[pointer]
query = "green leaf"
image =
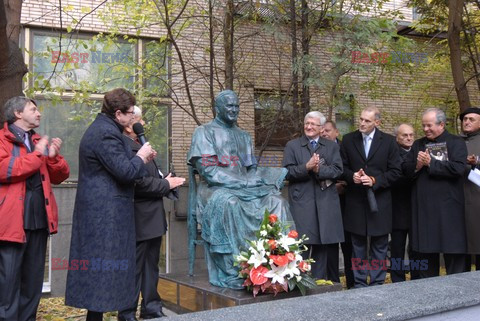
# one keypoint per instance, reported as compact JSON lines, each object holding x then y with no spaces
{"x":302,"y":288}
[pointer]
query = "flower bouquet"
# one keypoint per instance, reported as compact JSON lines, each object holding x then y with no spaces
{"x":273,"y":262}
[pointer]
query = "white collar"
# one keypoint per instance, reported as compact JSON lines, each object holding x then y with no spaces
{"x":369,"y":135}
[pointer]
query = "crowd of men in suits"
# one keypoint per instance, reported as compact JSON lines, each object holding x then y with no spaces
{"x":389,"y":189}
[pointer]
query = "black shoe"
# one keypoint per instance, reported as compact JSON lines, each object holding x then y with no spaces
{"x":153,"y":315}
{"x":126,"y":318}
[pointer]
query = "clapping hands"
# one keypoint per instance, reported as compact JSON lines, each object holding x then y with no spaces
{"x":53,"y":149}
{"x":423,"y":159}
{"x":314,"y":163}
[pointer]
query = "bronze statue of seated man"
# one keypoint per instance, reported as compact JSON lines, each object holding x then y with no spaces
{"x":232,"y":195}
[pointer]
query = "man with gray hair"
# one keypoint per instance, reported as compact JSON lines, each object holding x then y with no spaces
{"x":371,"y":164}
{"x":314,"y":164}
{"x":401,"y":208}
{"x":438,"y":218}
{"x":28,"y":212}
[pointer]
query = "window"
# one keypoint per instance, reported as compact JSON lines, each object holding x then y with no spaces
{"x":344,"y":114}
{"x":67,"y":121}
{"x":267,"y":109}
{"x":82,"y":63}
{"x":415,"y":14}
{"x":68,"y":85}
{"x":156,"y":130}
{"x":155,"y":68}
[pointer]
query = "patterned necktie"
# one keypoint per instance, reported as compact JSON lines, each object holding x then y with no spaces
{"x":314,"y":144}
{"x":366,"y":144}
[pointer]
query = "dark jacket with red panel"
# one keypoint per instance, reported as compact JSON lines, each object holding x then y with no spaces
{"x":16,"y":165}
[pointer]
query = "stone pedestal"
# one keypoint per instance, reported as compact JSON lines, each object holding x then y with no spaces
{"x":183,"y":294}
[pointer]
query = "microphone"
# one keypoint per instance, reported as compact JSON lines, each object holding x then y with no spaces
{"x":140,"y":132}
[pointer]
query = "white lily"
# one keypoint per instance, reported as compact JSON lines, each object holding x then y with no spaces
{"x":277,"y":274}
{"x":298,"y":258}
{"x":292,"y":269}
{"x":257,"y":258}
{"x":285,"y":242}
{"x":241,"y":258}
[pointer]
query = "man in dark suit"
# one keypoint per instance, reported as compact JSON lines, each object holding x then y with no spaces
{"x":401,"y":207}
{"x":330,"y":131}
{"x":314,"y":164}
{"x":470,"y":119}
{"x":438,"y":217}
{"x":371,"y":164}
{"x":150,"y":226}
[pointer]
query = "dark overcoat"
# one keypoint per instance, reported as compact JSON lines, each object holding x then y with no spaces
{"x":150,"y":221}
{"x":383,"y":163}
{"x":103,"y":230}
{"x":472,"y":199}
{"x":438,"y":219}
{"x":315,"y":209}
{"x":401,"y":199}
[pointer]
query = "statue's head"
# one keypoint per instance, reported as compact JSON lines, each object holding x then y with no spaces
{"x":227,"y":106}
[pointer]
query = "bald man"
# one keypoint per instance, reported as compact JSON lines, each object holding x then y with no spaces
{"x":401,"y":206}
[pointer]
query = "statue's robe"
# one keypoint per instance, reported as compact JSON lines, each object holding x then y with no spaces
{"x":232,"y":196}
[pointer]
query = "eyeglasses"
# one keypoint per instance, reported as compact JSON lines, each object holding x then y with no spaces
{"x":311,"y":124}
{"x":129,"y":112}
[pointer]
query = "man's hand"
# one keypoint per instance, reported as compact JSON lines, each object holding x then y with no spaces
{"x":146,"y":153}
{"x":174,"y":181}
{"x":472,"y":159}
{"x":357,"y":176}
{"x":313,"y":162}
{"x":366,"y":180}
{"x":423,"y":159}
{"x":54,"y":148}
{"x":340,"y":185}
{"x":41,"y":145}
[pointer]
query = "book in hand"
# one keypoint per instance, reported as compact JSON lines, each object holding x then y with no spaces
{"x":438,"y":150}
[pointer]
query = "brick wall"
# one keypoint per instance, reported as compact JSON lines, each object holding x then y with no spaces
{"x":262,"y":63}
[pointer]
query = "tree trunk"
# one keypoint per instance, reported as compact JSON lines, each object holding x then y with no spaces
{"x":12,"y":67}
{"x":305,"y":53}
{"x":293,"y":35}
{"x":228,"y":44}
{"x":455,"y":8}
{"x":211,"y":57}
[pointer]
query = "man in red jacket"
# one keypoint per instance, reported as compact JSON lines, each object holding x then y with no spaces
{"x":28,"y":211}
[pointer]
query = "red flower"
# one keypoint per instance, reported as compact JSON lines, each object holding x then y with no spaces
{"x":304,"y":266}
{"x":279,"y":260}
{"x":257,"y":275}
{"x":273,"y":244}
{"x":272,"y":218}
{"x":293,"y":234}
{"x":290,"y":256}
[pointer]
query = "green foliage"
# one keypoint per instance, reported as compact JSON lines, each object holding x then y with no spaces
{"x":433,"y":20}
